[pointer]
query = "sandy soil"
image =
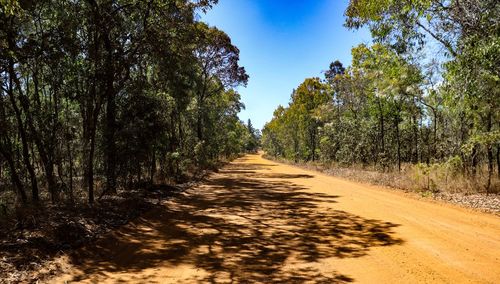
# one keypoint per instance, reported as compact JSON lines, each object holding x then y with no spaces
{"x":258,"y":221}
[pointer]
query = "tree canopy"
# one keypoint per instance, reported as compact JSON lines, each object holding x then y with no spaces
{"x":391,"y":106}
{"x":100,"y":94}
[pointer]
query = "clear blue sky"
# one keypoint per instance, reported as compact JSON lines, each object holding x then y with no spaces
{"x":281,"y":43}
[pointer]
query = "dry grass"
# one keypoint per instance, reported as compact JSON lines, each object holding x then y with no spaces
{"x":443,"y":178}
{"x":437,"y":181}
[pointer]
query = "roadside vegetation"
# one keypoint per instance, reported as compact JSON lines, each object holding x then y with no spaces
{"x":97,"y":96}
{"x":102,"y":103}
{"x":421,"y":105}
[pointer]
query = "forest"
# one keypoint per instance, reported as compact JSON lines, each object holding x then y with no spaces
{"x":124,"y":157}
{"x":423,"y":100}
{"x":97,"y":96}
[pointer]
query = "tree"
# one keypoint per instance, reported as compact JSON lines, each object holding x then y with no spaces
{"x":336,"y":69}
{"x":299,"y":122}
{"x":398,"y":104}
{"x":218,"y":67}
{"x":253,"y":137}
{"x":111,"y":92}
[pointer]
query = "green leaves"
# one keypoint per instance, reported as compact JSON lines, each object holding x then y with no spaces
{"x":113,"y":90}
{"x":293,"y":132}
{"x":484,"y":139}
{"x":9,"y":7}
{"x":391,"y":106}
{"x":403,"y":25}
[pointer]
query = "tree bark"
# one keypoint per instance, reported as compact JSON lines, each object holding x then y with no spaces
{"x":498,"y":160}
{"x":16,"y":181}
{"x":490,"y":154}
{"x":110,"y":122}
{"x":22,"y":132}
{"x":6,"y":152}
{"x":382,"y":130}
{"x":398,"y":140}
{"x":153,"y":167}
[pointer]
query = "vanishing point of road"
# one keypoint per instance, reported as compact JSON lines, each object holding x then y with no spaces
{"x":258,"y":221}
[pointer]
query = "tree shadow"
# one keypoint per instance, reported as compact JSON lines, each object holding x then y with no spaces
{"x":239,"y":228}
{"x":264,"y":175}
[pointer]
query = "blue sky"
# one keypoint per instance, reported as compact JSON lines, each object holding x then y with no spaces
{"x":281,"y":43}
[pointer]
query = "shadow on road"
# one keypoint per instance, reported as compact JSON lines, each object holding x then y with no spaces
{"x":240,"y":227}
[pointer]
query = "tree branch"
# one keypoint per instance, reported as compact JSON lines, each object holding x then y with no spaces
{"x":446,"y":44}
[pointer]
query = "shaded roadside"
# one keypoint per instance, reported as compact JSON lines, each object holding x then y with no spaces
{"x":31,"y":240}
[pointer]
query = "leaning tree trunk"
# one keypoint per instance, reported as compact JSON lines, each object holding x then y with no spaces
{"x":16,"y":181}
{"x":25,"y":146}
{"x":22,"y":131}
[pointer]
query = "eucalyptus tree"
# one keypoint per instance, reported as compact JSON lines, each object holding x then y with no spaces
{"x":106,"y":91}
{"x":293,"y":132}
{"x":393,"y":106}
{"x":468,"y":31}
{"x":218,"y":67}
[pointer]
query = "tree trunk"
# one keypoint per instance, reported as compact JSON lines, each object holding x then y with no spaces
{"x":16,"y":181}
{"x":153,"y":168}
{"x":70,"y":160}
{"x":94,"y":99}
{"x":45,"y":149}
{"x":474,"y":161}
{"x":382,"y":131}
{"x":110,"y":95}
{"x":498,"y":160}
{"x":110,"y":145}
{"x":199,"y":125}
{"x":435,"y":132}
{"x":313,"y":143}
{"x":90,"y":167}
{"x":23,"y":135}
{"x":398,"y":140}
{"x":490,"y":168}
{"x":415,"y":137}
{"x":22,"y":131}
{"x":490,"y":154}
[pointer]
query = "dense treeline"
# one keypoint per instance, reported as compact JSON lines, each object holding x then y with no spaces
{"x":101,"y":94}
{"x":401,"y":102}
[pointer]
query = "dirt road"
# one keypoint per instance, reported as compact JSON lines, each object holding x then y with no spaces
{"x":258,"y":221}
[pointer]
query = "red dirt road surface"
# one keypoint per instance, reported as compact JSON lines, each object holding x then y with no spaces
{"x":258,"y":221}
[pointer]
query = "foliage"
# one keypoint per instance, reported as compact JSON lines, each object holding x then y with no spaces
{"x":100,"y":94}
{"x":390,"y":109}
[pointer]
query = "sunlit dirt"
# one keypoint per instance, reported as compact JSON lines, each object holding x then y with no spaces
{"x":258,"y":221}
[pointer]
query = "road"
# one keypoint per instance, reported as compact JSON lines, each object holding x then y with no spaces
{"x":258,"y":221}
